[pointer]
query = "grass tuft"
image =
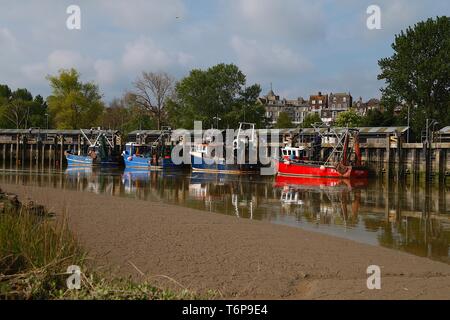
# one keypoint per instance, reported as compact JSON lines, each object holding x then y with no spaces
{"x":35,"y":252}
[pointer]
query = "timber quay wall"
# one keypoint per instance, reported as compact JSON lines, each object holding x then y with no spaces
{"x":46,"y":147}
{"x":384,"y":150}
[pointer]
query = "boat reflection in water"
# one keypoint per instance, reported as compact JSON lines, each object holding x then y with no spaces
{"x":83,"y":178}
{"x":215,"y":189}
{"x":321,"y":200}
{"x":134,"y":179}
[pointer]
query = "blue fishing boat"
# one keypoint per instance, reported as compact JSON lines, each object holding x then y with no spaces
{"x":205,"y":159}
{"x":202,"y":161}
{"x":141,"y":157}
{"x":76,"y":160}
{"x":151,"y":157}
{"x":99,"y":153}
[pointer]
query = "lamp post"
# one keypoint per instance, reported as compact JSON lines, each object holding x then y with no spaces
{"x":407,"y":132}
{"x":217,"y":121}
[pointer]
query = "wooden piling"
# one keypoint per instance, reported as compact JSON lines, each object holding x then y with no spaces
{"x":61,"y":151}
{"x":43,"y":155}
{"x":31,"y":155}
{"x":387,"y":157}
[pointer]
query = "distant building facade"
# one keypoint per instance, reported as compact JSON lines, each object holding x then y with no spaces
{"x":297,"y":109}
{"x":337,"y":103}
{"x":362,"y":108}
{"x":317,"y":103}
{"x":327,"y":106}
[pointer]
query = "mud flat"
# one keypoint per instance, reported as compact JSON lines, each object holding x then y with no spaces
{"x":178,"y":247}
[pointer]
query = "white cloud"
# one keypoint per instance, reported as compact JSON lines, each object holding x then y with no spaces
{"x":295,"y":19}
{"x":7,"y":40}
{"x":184,"y":59}
{"x":57,"y":60}
{"x":35,"y":72}
{"x":260,"y":59}
{"x":105,"y":71}
{"x":65,"y":59}
{"x":143,"y":53}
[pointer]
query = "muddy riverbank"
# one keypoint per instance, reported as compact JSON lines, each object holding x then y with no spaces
{"x":180,"y":247}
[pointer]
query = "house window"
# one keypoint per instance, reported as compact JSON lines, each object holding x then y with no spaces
{"x":344,"y":99}
{"x":320,"y":101}
{"x":333,"y":105}
{"x":313,"y":101}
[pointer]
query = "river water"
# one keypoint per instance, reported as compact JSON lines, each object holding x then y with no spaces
{"x":408,"y":216}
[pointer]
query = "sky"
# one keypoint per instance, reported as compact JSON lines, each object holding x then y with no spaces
{"x":299,"y":47}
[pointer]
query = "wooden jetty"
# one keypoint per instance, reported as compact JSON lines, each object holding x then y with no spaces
{"x":43,"y":147}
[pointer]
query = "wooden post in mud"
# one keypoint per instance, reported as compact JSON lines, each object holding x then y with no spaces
{"x":17,"y":150}
{"x":31,"y":155}
{"x":441,"y":160}
{"x":61,"y":151}
{"x":4,"y":153}
{"x":11,"y":152}
{"x":78,"y":145}
{"x":50,"y":151}
{"x":43,"y":155}
{"x":399,"y":156}
{"x":414,"y":162}
{"x":37,"y":153}
{"x":387,"y":157}
{"x":378,"y":161}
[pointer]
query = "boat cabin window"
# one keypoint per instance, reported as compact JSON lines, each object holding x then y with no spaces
{"x":292,"y":153}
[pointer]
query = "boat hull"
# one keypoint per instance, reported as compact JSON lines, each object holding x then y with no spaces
{"x":74,"y":160}
{"x":200,"y":164}
{"x":137,"y":162}
{"x":86,"y":161}
{"x":293,"y":169}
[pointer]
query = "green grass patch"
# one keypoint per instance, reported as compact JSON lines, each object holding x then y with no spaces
{"x":35,"y":252}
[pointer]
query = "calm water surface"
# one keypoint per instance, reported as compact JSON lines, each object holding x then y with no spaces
{"x":409,"y":216}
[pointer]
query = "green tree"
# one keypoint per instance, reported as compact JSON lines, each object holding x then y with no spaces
{"x":284,"y":121}
{"x":74,"y":104}
{"x":348,"y":118}
{"x":19,"y":110}
{"x":5,"y":91}
{"x":218,"y":92}
{"x":310,"y":119}
{"x":125,"y":117}
{"x":417,"y":74}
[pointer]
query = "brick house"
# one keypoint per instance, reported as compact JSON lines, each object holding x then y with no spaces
{"x":317,"y":103}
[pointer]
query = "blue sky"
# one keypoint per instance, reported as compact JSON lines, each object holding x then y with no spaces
{"x":299,"y":46}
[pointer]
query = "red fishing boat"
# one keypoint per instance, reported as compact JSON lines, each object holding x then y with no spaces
{"x":344,"y":161}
